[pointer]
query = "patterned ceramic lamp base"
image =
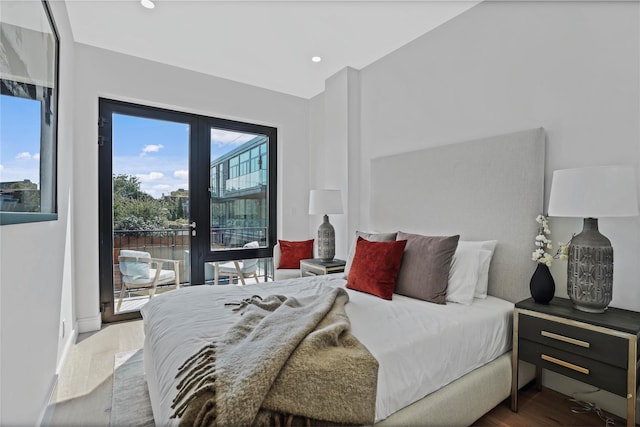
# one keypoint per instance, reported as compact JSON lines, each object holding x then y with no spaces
{"x":590,"y":269}
{"x":326,"y":240}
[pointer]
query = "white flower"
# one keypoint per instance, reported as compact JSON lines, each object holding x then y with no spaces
{"x":542,"y":243}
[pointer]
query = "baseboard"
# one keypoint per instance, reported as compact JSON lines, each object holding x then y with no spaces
{"x":46,"y":414}
{"x":89,"y":324}
{"x":73,"y":337}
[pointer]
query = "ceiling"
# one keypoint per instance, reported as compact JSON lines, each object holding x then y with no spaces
{"x":262,"y":43}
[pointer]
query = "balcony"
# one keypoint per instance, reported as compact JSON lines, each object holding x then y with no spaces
{"x":175,"y":244}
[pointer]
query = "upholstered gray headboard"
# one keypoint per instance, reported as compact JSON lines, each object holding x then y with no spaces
{"x":485,"y":189}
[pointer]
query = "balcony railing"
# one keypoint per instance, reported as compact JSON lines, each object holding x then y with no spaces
{"x":173,"y":244}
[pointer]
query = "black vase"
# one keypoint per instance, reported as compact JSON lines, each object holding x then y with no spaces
{"x":542,"y":286}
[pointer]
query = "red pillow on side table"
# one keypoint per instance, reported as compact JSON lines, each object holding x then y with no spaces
{"x":375,"y":267}
{"x":293,"y":252}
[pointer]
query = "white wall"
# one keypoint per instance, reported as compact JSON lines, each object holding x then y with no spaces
{"x":102,"y":73}
{"x":570,"y":67}
{"x":334,"y":151}
{"x":34,"y":274}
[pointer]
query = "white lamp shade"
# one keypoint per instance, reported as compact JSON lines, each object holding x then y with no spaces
{"x":323,"y":202}
{"x":594,"y":192}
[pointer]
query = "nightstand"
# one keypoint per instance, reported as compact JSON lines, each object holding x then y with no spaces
{"x":600,"y":349}
{"x":317,"y":267}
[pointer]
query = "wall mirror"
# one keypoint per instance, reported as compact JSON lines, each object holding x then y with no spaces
{"x":29,"y":45}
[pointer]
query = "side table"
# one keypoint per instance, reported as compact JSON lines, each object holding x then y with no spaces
{"x":600,"y":349}
{"x":317,"y":267}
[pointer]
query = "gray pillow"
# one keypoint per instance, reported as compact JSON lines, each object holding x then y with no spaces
{"x":372,"y":237}
{"x":424,"y":273}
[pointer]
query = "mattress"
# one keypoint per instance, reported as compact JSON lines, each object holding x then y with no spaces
{"x":420,"y":346}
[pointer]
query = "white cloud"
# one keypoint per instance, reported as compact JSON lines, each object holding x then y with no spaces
{"x":151,"y":148}
{"x":224,"y":137}
{"x":1,"y":168}
{"x":182,"y":174}
{"x":158,"y":190}
{"x":25,"y":155}
{"x":151,"y":176}
{"x":36,"y":156}
{"x":162,"y":187}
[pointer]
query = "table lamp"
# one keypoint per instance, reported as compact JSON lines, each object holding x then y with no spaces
{"x":325,"y":202}
{"x":592,"y":193}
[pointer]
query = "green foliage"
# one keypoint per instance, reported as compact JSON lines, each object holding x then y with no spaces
{"x":23,"y":185}
{"x":179,"y":209}
{"x":134,"y":209}
{"x":128,"y":186}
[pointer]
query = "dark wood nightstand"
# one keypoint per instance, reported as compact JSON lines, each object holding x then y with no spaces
{"x":600,"y":349}
{"x":317,"y":267}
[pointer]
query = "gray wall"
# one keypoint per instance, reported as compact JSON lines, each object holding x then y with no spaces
{"x":569,"y":67}
{"x":572,"y":68}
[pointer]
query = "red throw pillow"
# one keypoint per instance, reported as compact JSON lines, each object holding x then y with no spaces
{"x":293,"y":252}
{"x":375,"y":267}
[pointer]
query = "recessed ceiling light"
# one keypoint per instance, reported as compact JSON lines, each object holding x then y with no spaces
{"x":147,"y":3}
{"x":316,"y":59}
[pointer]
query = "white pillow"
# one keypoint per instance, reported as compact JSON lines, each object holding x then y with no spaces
{"x":483,"y":275}
{"x":485,"y":260}
{"x":135,"y":270}
{"x":463,"y":275}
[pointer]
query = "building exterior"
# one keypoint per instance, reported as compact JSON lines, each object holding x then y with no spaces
{"x":19,"y":196}
{"x":238,"y":192}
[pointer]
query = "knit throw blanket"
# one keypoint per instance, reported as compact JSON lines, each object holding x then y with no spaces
{"x":285,"y":357}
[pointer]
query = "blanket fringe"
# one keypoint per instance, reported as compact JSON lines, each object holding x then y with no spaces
{"x":199,"y":378}
{"x":244,"y":303}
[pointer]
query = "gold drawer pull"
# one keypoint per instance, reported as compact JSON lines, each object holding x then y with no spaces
{"x":565,"y":339}
{"x":565,"y":364}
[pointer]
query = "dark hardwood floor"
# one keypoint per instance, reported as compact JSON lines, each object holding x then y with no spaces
{"x":541,"y":408}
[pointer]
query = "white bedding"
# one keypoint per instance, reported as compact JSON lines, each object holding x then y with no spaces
{"x":420,"y":346}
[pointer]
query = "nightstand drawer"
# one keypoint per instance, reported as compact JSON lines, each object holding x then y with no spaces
{"x":607,"y":377}
{"x":605,"y":348}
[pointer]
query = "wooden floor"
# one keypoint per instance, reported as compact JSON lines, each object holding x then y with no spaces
{"x":542,"y":408}
{"x":83,"y":393}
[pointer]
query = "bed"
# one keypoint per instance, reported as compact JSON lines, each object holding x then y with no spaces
{"x":448,"y":356}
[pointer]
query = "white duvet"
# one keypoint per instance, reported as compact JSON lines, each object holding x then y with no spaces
{"x":420,"y":346}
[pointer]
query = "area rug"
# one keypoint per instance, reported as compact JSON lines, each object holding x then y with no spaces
{"x":130,"y":404}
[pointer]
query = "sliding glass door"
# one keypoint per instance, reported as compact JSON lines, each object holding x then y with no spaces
{"x":184,"y":200}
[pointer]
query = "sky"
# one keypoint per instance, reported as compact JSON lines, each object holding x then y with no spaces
{"x":155,"y":151}
{"x":19,"y":139}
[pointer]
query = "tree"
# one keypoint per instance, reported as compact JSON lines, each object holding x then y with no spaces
{"x":134,"y":209}
{"x":128,"y":186}
{"x":179,"y":210}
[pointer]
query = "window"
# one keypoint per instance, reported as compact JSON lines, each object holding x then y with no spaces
{"x":28,"y":113}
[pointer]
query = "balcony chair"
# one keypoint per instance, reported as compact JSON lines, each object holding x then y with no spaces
{"x":241,"y":269}
{"x":135,"y":267}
